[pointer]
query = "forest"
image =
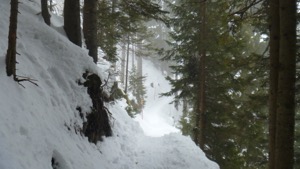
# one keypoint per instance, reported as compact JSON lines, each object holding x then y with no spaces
{"x":232,"y":66}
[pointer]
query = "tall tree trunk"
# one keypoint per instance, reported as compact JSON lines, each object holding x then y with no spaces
{"x":127,"y":62}
{"x":133,"y":54}
{"x":90,"y":27}
{"x":201,"y":95}
{"x":72,"y":21}
{"x":139,"y":66}
{"x":286,"y":86}
{"x":45,"y":11}
{"x":12,"y":40}
{"x":139,"y":69}
{"x":274,"y":65}
{"x":123,"y":63}
{"x":113,"y":29}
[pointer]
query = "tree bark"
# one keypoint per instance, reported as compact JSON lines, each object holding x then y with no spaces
{"x":139,"y":65}
{"x":274,"y":64}
{"x":90,"y":27}
{"x":202,"y":77}
{"x":45,"y":12}
{"x":132,"y":54}
{"x":127,"y":63}
{"x":72,"y":21}
{"x":286,"y":86}
{"x":12,"y":40}
{"x":123,"y":63}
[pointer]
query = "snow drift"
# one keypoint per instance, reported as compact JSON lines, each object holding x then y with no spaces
{"x":40,"y":125}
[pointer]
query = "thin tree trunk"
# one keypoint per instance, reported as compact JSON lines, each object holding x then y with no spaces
{"x":72,"y":21}
{"x":90,"y":27}
{"x":133,"y":53}
{"x":286,"y":86}
{"x":127,"y":62}
{"x":140,"y":100}
{"x":201,"y":104}
{"x":123,"y":63}
{"x":12,"y":40}
{"x":274,"y":62}
{"x":139,"y":66}
{"x":113,"y":11}
{"x":45,"y":12}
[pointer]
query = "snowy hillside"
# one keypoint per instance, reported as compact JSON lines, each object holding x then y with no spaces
{"x":38,"y":122}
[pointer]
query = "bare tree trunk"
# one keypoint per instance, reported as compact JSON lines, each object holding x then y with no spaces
{"x":123,"y":63}
{"x":133,"y":54}
{"x":45,"y":12}
{"x":201,"y":105}
{"x":286,"y":86}
{"x":72,"y":21}
{"x":139,"y":66}
{"x":90,"y":27}
{"x":274,"y":62}
{"x":127,"y":62}
{"x":113,"y":11}
{"x":12,"y":40}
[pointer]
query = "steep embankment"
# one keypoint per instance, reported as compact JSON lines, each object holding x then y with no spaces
{"x":40,"y":125}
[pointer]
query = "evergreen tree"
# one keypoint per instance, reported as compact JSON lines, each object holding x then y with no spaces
{"x":230,"y":68}
{"x":119,"y":19}
{"x":136,"y":86}
{"x":107,"y":35}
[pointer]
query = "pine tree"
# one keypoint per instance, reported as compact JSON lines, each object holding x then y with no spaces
{"x":107,"y":32}
{"x":137,"y":88}
{"x":232,"y":77}
{"x":119,"y":19}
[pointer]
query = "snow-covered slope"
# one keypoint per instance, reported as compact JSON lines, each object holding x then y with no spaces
{"x":37,"y":123}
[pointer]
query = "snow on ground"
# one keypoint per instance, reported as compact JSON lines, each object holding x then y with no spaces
{"x":34,"y":120}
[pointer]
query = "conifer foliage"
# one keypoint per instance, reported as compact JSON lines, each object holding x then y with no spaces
{"x":123,"y":18}
{"x":137,"y":88}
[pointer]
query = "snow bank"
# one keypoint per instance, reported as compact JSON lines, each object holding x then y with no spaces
{"x":37,"y":123}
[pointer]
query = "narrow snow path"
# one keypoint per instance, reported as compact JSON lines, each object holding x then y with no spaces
{"x":159,"y":116}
